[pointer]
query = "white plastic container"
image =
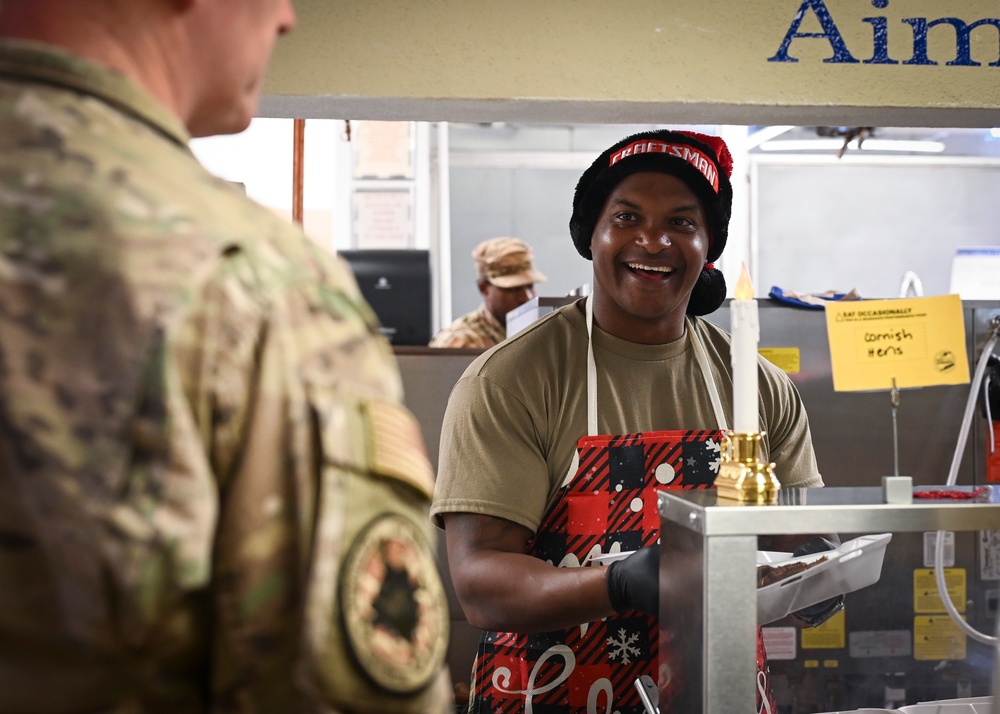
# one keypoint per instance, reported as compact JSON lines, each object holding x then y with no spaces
{"x":854,"y":565}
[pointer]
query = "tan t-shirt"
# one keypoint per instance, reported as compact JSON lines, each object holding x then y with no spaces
{"x":514,"y":418}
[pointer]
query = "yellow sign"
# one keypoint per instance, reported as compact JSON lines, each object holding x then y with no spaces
{"x":787,"y":358}
{"x":937,"y":637}
{"x":925,"y":591}
{"x":828,"y":636}
{"x":918,"y":342}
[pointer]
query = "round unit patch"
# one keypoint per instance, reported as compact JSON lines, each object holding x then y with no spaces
{"x":395,"y":611}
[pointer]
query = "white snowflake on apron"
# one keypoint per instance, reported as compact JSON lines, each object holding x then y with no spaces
{"x":622,"y":646}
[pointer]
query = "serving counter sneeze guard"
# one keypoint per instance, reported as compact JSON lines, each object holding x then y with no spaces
{"x":708,"y":604}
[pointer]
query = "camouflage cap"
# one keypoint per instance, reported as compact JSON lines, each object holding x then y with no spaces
{"x":506,"y":263}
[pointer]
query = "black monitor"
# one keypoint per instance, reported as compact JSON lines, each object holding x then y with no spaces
{"x":397,"y":285}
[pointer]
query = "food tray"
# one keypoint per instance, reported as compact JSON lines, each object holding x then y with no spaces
{"x":854,"y":565}
{"x":975,"y":705}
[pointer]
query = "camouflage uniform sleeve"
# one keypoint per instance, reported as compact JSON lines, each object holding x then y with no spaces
{"x":459,"y":337}
{"x":326,"y":595}
{"x":471,"y":331}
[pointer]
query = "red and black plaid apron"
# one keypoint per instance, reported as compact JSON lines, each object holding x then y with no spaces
{"x":608,"y":506}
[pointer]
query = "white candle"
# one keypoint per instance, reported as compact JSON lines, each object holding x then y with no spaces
{"x":745,"y":335}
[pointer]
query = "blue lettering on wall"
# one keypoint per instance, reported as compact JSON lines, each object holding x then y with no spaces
{"x":880,"y":41}
{"x":920,"y":27}
{"x":830,"y":33}
{"x":963,"y":50}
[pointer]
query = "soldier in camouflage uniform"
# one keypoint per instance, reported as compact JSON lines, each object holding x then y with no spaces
{"x":506,"y":279}
{"x":212,"y":498}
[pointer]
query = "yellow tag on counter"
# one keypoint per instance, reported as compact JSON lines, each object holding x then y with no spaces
{"x":919,"y":342}
{"x":787,"y":358}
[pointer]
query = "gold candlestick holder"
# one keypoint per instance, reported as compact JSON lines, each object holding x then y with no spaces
{"x":743,"y":477}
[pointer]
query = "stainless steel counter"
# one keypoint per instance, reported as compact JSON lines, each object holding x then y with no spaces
{"x":708,"y":574}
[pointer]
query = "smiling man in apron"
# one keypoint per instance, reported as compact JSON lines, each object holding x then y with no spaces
{"x":555,"y":442}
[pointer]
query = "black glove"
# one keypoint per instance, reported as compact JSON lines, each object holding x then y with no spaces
{"x":634,"y":582}
{"x":822,"y":611}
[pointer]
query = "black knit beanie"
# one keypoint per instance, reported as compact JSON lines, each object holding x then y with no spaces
{"x":702,"y":162}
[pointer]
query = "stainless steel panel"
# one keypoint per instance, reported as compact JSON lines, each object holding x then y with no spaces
{"x":712,"y":657}
{"x":843,"y":510}
{"x":716,"y":543}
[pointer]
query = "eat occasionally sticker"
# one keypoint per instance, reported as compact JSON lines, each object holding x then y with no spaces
{"x":878,"y":344}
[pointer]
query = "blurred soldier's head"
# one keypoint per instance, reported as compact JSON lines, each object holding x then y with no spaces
{"x":203,"y":59}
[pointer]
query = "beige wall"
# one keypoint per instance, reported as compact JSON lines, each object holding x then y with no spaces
{"x":671,"y":61}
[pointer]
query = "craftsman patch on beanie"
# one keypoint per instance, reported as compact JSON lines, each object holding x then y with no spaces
{"x":688,"y":153}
